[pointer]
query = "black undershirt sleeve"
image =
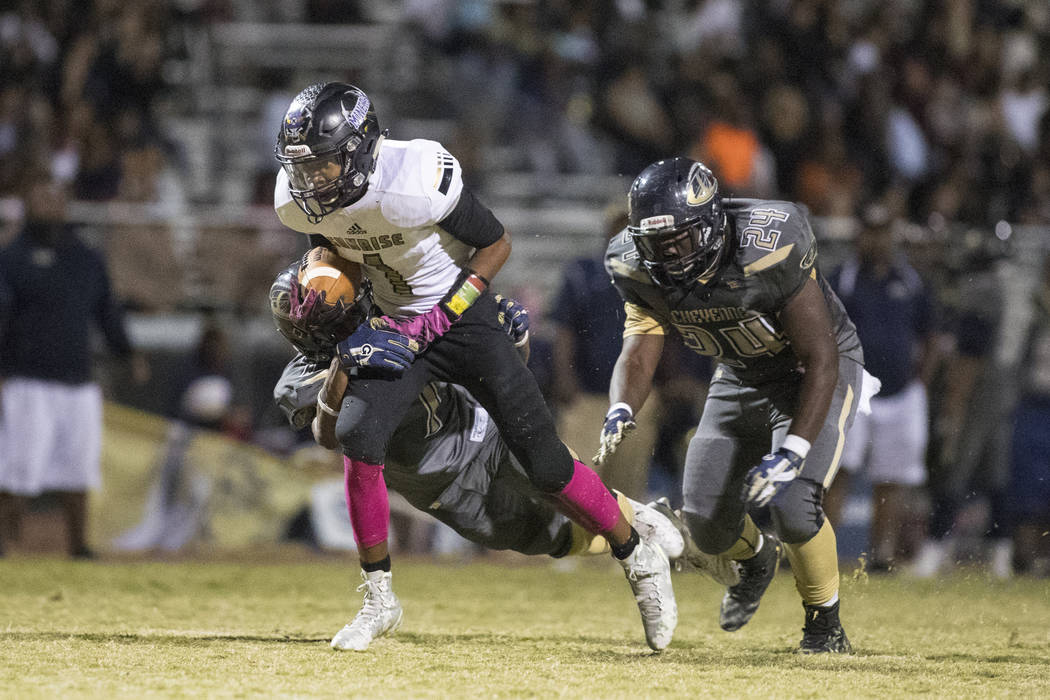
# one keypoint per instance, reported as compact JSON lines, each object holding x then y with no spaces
{"x":317,"y":239}
{"x":472,"y":222}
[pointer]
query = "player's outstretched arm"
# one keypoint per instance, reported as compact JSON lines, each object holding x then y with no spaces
{"x":631,"y":382}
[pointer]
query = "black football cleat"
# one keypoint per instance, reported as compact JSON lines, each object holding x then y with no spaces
{"x":823,"y":633}
{"x":741,"y":601}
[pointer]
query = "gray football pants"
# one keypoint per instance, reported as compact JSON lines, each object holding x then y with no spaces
{"x":740,"y":424}
{"x":490,"y":503}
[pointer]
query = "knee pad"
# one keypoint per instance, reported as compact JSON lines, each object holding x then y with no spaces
{"x":711,"y":536}
{"x":549,"y":468}
{"x":796,"y":511}
{"x":361,"y":439}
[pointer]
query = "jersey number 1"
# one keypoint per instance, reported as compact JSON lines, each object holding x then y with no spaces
{"x":399,"y":283}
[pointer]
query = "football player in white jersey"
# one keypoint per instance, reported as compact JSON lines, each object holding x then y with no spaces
{"x":429,"y":248}
{"x":448,"y":460}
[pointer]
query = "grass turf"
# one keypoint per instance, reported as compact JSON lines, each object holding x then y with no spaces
{"x":485,"y":629}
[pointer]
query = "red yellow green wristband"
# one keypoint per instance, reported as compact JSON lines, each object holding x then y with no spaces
{"x":468,"y":288}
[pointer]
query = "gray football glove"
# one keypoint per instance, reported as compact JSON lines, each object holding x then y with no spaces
{"x":618,"y":422}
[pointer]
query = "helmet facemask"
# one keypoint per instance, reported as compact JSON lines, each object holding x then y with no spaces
{"x":320,"y":184}
{"x":327,"y":146}
{"x":316,"y":341}
{"x":678,"y":223}
{"x":679,"y":256}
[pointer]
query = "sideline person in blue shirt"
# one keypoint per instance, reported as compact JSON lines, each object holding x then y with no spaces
{"x":56,"y":289}
{"x":893,"y":311}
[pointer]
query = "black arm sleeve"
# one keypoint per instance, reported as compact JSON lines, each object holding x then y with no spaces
{"x":472,"y":222}
{"x":317,"y":239}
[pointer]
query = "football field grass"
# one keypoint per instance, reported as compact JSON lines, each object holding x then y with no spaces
{"x":260,"y":628}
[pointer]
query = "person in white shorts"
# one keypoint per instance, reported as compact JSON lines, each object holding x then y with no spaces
{"x":893,"y":312}
{"x":890,"y":443}
{"x":53,"y":289}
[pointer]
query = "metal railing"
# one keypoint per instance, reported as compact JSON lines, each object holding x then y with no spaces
{"x":165,"y":261}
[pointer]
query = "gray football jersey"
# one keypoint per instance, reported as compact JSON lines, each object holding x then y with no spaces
{"x":445,"y":436}
{"x":735,"y":317}
{"x":442,"y":433}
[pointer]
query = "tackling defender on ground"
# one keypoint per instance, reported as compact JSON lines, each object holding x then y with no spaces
{"x":447,"y":459}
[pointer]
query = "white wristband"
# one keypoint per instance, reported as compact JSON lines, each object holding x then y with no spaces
{"x":617,"y":406}
{"x":799,"y":446}
{"x":326,"y":408}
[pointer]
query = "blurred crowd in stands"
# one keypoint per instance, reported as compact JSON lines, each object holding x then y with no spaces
{"x":939,"y":112}
{"x":938,"y":107}
{"x":77,"y":93}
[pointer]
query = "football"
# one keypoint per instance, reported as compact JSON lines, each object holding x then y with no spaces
{"x":324,"y":271}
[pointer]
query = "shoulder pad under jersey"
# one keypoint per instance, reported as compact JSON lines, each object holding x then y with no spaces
{"x":624,"y":266}
{"x":421,"y":182}
{"x":774,"y":244}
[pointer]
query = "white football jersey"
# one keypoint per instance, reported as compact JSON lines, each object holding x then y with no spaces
{"x":392,"y":230}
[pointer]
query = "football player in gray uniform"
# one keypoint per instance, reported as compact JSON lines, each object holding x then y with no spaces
{"x":735,"y":279}
{"x":447,"y":459}
{"x":430,"y":248}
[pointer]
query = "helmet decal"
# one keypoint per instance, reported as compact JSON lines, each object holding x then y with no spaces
{"x":702,"y":185}
{"x":297,"y":122}
{"x":662,"y":221}
{"x":356,"y":116}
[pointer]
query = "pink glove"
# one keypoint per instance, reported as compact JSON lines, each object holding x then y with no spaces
{"x":313,"y":310}
{"x":301,"y":307}
{"x":428,"y":327}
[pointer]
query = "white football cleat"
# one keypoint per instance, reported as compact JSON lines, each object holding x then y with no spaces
{"x":654,"y":526}
{"x":649,"y":574}
{"x":721,"y":569}
{"x":380,"y":614}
